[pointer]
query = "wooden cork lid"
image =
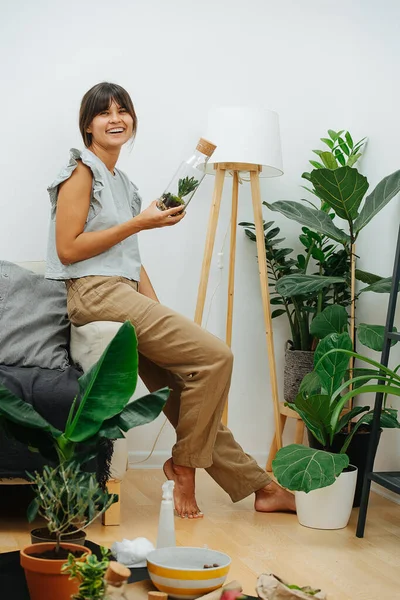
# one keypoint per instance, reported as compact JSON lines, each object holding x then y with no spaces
{"x":117,"y":573}
{"x":157,"y":596}
{"x":205,"y":147}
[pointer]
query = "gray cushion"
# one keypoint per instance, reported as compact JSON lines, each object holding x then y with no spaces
{"x":34,"y":326}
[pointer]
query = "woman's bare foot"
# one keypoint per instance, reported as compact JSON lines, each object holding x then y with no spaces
{"x":184,"y":495}
{"x":274,"y":498}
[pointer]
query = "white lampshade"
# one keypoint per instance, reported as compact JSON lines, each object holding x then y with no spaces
{"x":245,"y":135}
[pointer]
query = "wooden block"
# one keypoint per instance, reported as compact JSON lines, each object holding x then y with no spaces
{"x":112,"y":516}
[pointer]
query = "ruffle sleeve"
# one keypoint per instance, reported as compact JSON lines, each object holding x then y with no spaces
{"x":66,"y":172}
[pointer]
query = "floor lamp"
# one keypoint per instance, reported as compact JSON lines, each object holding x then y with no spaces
{"x":248,"y":146}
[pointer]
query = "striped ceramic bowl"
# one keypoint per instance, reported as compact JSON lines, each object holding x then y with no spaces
{"x":185,"y":573}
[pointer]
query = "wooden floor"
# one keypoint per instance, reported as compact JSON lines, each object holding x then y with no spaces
{"x":345,"y":567}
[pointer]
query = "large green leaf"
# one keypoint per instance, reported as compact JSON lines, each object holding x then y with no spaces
{"x":333,"y":319}
{"x":310,"y":384}
{"x":348,"y":416}
{"x":329,"y":160}
{"x":298,"y":285}
{"x":366,"y":277}
{"x":332,"y":368}
{"x":343,"y":189}
{"x":367,"y":375}
{"x":108,"y":386}
{"x":382,"y":194}
{"x":20,"y":412}
{"x":141,"y":411}
{"x":388,"y":419}
{"x":304,"y":469}
{"x":316,"y":413}
{"x":383,"y":286}
{"x":373,"y":336}
{"x":317,"y":220}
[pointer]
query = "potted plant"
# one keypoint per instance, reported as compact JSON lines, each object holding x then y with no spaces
{"x":101,"y":411}
{"x":341,"y":191}
{"x":89,"y":572}
{"x":66,"y":497}
{"x":296,"y":292}
{"x":69,"y":499}
{"x":323,"y":499}
{"x":334,"y":319}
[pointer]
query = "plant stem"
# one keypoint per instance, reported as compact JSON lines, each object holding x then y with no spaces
{"x":303,"y":325}
{"x":308,"y":257}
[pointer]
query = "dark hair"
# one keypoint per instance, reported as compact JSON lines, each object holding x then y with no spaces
{"x":99,"y":98}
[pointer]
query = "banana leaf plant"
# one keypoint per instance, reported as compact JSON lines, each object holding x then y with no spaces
{"x":322,"y":396}
{"x":101,"y":409}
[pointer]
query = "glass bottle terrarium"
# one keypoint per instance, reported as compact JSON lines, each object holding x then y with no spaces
{"x":187,"y":178}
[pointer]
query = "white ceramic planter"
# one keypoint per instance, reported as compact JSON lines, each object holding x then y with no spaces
{"x":329,"y":507}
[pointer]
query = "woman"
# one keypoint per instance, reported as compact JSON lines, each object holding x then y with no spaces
{"x":93,"y":246}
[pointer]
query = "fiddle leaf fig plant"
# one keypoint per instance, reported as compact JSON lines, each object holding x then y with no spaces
{"x":320,"y":402}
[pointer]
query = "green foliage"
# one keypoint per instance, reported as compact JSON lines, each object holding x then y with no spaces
{"x":331,"y":367}
{"x":305,"y":469}
{"x":341,"y":151}
{"x":311,"y":217}
{"x":186,"y":186}
{"x":68,"y":499}
{"x":331,"y":320}
{"x":300,"y":285}
{"x":320,"y":402}
{"x":300,"y":302}
{"x":386,"y":189}
{"x":372,"y":336}
{"x":101,"y":410}
{"x":90,"y":571}
{"x":342,"y":189}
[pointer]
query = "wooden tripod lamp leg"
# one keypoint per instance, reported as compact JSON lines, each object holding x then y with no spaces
{"x":231,"y":280}
{"x":262,"y":266}
{"x":212,"y":228}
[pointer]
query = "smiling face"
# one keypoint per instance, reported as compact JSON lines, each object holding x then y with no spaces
{"x":107,"y":118}
{"x":112,"y":127}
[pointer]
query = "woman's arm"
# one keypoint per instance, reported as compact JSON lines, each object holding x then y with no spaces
{"x":145,"y":286}
{"x":73,"y":243}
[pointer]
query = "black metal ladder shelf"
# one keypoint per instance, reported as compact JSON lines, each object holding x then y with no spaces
{"x":389,"y":480}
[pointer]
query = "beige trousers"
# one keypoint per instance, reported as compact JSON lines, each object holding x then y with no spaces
{"x":197,"y":366}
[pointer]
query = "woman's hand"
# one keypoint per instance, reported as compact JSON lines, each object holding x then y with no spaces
{"x":152,"y":217}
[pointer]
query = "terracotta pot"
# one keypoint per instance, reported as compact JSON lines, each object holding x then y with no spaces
{"x":40,"y":535}
{"x":43,"y":576}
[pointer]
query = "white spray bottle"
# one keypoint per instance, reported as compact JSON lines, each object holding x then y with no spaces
{"x":166,"y":523}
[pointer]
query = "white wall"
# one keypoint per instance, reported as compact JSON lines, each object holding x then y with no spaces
{"x":319,"y":64}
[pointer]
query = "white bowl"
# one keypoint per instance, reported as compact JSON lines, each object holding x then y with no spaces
{"x":180,"y":572}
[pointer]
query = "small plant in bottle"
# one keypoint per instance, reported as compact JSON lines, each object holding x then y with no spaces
{"x":187,"y":178}
{"x":186,"y":186}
